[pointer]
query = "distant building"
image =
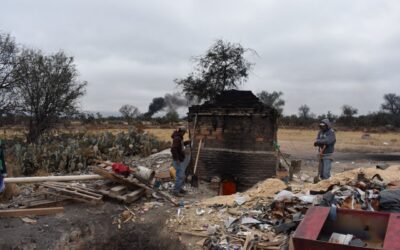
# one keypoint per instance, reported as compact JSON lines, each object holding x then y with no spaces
{"x":238,"y":132}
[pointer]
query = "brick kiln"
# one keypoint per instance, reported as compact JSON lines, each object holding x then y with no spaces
{"x":237,"y":133}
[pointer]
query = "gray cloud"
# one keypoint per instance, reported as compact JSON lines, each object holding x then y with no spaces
{"x":321,"y":53}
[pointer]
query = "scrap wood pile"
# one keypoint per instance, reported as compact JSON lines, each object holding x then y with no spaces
{"x":117,"y":181}
{"x":265,"y":216}
{"x":137,"y":179}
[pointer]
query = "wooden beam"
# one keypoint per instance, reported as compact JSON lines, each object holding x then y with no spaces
{"x":31,"y":211}
{"x":53,"y":178}
{"x":191,"y":233}
{"x":118,"y":190}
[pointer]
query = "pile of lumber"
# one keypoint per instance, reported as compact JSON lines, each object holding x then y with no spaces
{"x":129,"y":181}
{"x":73,"y":191}
{"x":53,"y":191}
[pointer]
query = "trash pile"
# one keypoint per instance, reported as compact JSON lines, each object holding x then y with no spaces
{"x":265,"y":216}
{"x":254,"y":218}
{"x":358,"y":194}
{"x":68,"y":153}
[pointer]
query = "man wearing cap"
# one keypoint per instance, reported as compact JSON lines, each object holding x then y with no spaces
{"x":325,"y":142}
{"x":179,"y":160}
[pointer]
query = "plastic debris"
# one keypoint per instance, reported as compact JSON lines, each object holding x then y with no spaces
{"x":250,"y":220}
{"x":338,"y":238}
{"x":200,"y":211}
{"x":240,"y":200}
{"x":230,"y":221}
{"x":284,"y":195}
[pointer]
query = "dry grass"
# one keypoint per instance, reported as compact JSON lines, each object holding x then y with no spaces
{"x":163,"y":134}
{"x":290,"y":139}
{"x":301,"y":139}
{"x":347,"y":141}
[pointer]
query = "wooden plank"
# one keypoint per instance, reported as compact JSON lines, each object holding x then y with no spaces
{"x":52,"y":178}
{"x":249,"y":237}
{"x":31,"y":211}
{"x":118,"y":197}
{"x":127,"y":198}
{"x":104,"y":192}
{"x":45,"y":203}
{"x":75,"y":193}
{"x":72,"y":192}
{"x":192,"y":233}
{"x":66,"y":196}
{"x":118,"y":190}
{"x":75,"y":189}
{"x":71,"y":186}
{"x":135,"y":195}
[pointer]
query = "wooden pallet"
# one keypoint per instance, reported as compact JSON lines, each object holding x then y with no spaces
{"x":71,"y":191}
{"x":106,"y":171}
{"x":121,"y":192}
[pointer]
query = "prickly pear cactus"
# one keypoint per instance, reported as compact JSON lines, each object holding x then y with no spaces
{"x":66,"y":153}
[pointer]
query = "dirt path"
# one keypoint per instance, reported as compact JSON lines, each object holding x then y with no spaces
{"x":89,"y":227}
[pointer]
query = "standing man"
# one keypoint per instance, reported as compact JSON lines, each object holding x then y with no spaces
{"x":325,"y":142}
{"x":3,"y":170}
{"x":179,"y":160}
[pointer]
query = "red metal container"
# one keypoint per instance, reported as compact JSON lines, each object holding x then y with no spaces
{"x":228,"y":187}
{"x":378,"y":229}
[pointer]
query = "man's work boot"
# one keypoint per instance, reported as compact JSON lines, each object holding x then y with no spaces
{"x":183,"y":191}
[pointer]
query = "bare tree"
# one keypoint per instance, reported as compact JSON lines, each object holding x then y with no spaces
{"x":391,"y":104}
{"x":172,"y":117}
{"x":8,"y":58}
{"x":347,"y":116}
{"x":331,"y":117}
{"x":349,"y":111}
{"x":222,"y":67}
{"x":272,"y":99}
{"x":129,"y":112}
{"x":48,"y":89}
{"x":304,"y":112}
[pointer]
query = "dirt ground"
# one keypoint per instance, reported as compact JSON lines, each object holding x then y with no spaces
{"x":84,"y":226}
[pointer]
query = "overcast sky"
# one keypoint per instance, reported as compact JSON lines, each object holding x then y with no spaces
{"x":320,"y":53}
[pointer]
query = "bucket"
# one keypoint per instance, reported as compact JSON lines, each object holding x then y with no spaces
{"x":228,"y":187}
{"x":144,"y":173}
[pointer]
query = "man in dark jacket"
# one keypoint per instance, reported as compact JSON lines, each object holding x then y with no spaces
{"x":325,"y":142}
{"x":179,"y":160}
{"x":3,"y":170}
